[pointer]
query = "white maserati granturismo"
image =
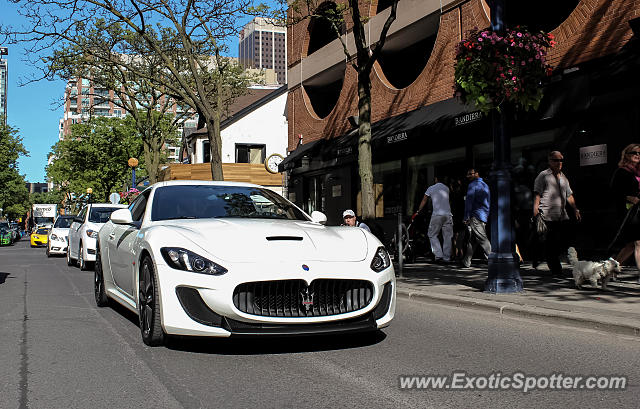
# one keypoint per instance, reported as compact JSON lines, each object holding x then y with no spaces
{"x":227,"y":259}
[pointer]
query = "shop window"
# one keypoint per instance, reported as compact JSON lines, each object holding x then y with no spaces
{"x":321,"y":31}
{"x":406,"y":53}
{"x":543,"y":15}
{"x":250,"y":153}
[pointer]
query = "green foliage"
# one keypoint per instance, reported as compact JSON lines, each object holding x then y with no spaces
{"x":14,"y":197}
{"x":51,"y":197}
{"x":492,"y":69}
{"x":95,"y":156}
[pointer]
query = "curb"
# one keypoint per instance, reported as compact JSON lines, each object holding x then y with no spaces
{"x":605,"y":323}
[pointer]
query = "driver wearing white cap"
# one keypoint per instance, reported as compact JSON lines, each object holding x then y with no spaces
{"x":349,"y":218}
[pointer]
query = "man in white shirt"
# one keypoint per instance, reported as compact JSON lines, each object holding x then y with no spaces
{"x":441,"y":220}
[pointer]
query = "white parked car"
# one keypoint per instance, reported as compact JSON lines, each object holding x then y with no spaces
{"x":84,"y":230}
{"x":220,"y":259}
{"x":58,"y":236}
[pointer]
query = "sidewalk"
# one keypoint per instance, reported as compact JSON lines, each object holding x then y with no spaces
{"x":545,"y":297}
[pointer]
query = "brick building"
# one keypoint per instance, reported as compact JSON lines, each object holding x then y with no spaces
{"x":419,"y":130}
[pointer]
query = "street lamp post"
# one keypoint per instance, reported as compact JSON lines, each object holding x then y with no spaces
{"x":133,"y":162}
{"x":504,"y":275}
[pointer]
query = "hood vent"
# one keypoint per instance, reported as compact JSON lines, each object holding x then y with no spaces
{"x":284,"y":238}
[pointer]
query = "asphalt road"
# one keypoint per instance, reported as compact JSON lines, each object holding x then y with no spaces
{"x":58,"y":350}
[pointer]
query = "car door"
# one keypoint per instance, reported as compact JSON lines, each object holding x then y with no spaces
{"x":74,"y":233}
{"x":122,"y":242}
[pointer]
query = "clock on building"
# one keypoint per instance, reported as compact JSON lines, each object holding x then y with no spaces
{"x":272,"y":162}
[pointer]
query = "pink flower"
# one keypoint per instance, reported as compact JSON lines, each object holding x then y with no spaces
{"x":520,"y":45}
{"x":523,"y":63}
{"x":519,"y":34}
{"x":514,"y":78}
{"x":480,"y":39}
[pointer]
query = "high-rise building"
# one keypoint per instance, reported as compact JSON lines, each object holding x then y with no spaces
{"x":3,"y":83}
{"x":264,"y":45}
{"x":84,"y":98}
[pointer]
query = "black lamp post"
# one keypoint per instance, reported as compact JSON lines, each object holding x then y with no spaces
{"x":504,"y":275}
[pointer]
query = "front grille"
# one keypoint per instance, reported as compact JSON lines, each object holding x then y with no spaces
{"x":292,"y":298}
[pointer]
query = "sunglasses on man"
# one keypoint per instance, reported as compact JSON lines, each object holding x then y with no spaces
{"x":634,"y":153}
{"x":557,"y":160}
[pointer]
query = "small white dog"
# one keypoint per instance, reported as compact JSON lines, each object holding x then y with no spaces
{"x":592,"y":270}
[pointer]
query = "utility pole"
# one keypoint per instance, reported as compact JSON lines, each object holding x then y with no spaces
{"x":504,"y":274}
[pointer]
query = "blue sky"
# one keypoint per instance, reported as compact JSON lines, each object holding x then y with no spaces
{"x":32,"y":108}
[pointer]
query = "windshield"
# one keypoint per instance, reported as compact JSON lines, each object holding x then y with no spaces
{"x":43,"y":220}
{"x":42,"y":231}
{"x":101,"y":214}
{"x":210,"y":201}
{"x":63,"y":222}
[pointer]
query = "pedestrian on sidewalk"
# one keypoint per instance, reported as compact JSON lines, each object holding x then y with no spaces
{"x":552,"y":193}
{"x":476,"y":214}
{"x":349,"y":218}
{"x":441,"y":220}
{"x":625,"y":185}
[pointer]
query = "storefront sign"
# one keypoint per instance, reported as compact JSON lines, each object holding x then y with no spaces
{"x":399,"y":137}
{"x":344,"y":151}
{"x":468,"y":118}
{"x":593,"y":155}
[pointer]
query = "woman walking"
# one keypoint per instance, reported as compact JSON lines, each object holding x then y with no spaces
{"x":626,"y":188}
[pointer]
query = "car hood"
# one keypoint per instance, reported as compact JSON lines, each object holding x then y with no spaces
{"x":252,"y":240}
{"x":60,"y":232}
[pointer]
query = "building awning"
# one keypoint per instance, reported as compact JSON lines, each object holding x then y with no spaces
{"x":297,"y":154}
{"x":438,"y":117}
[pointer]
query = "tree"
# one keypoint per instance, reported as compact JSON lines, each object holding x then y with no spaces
{"x":95,"y":156}
{"x":14,"y":197}
{"x":188,"y":42}
{"x":362,"y":62}
{"x":93,"y":58}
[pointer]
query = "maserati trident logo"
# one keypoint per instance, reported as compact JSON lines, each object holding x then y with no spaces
{"x":307,"y":299}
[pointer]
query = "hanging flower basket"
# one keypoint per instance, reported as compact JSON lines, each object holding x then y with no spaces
{"x":129,"y":196}
{"x":492,"y":69}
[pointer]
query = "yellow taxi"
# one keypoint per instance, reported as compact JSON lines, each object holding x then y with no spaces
{"x":40,"y":237}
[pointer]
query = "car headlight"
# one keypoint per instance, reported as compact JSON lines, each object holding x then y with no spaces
{"x":182,"y":259}
{"x":92,"y":233}
{"x":381,"y":260}
{"x":55,"y":237}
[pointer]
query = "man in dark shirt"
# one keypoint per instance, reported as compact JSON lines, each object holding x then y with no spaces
{"x":476,"y":214}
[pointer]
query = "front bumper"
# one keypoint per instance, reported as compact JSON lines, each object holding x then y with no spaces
{"x":38,"y":243}
{"x":202,"y":305}
{"x":57,"y":247}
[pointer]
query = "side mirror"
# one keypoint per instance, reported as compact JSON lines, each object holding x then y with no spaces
{"x":318,"y":217}
{"x":121,"y":216}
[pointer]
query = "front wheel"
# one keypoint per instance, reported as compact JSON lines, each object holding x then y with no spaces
{"x":81,"y":260}
{"x":148,"y":307}
{"x":48,"y":253}
{"x":69,"y":260}
{"x":98,"y":282}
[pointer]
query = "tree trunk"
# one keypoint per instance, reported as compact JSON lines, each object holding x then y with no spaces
{"x":215,"y":144}
{"x":364,"y":146}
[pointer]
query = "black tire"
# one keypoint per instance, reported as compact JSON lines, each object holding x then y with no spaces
{"x":69,"y":259}
{"x":48,"y":254}
{"x":98,"y":282}
{"x":148,"y":309}
{"x":81,"y":262}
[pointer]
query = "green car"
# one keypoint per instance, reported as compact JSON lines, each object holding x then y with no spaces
{"x":5,"y":237}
